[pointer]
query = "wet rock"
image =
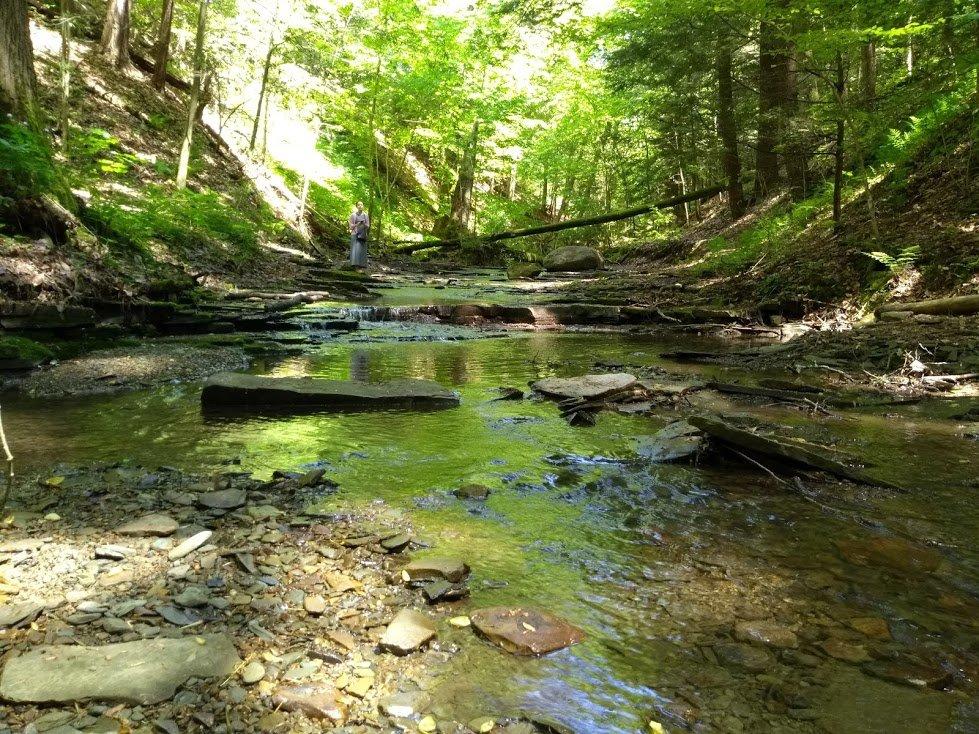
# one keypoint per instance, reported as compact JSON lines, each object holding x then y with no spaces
{"x":224,"y":499}
{"x":13,"y":615}
{"x":315,"y":701}
{"x":230,"y":389}
{"x":252,"y":673}
{"x":846,"y":651}
{"x":871,"y":626}
{"x":519,"y":271}
{"x":442,"y":590}
{"x":676,"y":442}
{"x":190,"y":545}
{"x":116,"y":626}
{"x":396,"y":543}
{"x":749,"y":657}
{"x":893,"y":553}
{"x":141,"y":672}
{"x":159,"y":525}
{"x":408,"y":631}
{"x":525,"y":631}
{"x":405,"y":705}
{"x":586,"y":387}
{"x":767,"y":633}
{"x":908,"y":673}
{"x":472,"y":492}
{"x":452,"y":570}
{"x":574,"y":258}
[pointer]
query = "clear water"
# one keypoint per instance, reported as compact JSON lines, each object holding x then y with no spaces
{"x":656,"y":563}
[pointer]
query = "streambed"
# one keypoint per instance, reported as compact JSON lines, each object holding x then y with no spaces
{"x":663,"y":566}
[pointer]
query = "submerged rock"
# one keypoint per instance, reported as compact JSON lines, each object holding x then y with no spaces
{"x":892,"y":553}
{"x":472,"y":492}
{"x":525,"y":631}
{"x":408,"y":631}
{"x":586,"y":387}
{"x":573,"y":259}
{"x":141,"y":672}
{"x":767,"y":633}
{"x":678,"y":441}
{"x":231,"y":389}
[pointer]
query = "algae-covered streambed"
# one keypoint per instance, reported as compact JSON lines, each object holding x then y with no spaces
{"x":664,"y":566}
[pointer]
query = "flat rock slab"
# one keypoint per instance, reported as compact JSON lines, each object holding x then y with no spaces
{"x":12,"y":615}
{"x":452,"y":570}
{"x":142,"y":672}
{"x":525,"y":631}
{"x":408,"y":631}
{"x":223,"y":499}
{"x":235,"y":390}
{"x":161,"y":525}
{"x":677,"y":442}
{"x":586,"y":387}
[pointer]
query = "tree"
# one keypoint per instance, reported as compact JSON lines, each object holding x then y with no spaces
{"x":263,"y":91}
{"x":18,"y":83}
{"x":115,"y":33}
{"x":727,"y":127}
{"x":65,"y":24}
{"x":161,"y":54}
{"x":183,"y":166}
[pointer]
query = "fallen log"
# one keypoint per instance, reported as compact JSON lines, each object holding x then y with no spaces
{"x":783,"y":450}
{"x":406,"y":248}
{"x":955,"y":306}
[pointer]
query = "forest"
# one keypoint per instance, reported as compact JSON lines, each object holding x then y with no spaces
{"x":489,"y":366}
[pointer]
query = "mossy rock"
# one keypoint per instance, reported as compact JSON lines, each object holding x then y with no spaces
{"x":18,"y":353}
{"x":519,"y":271}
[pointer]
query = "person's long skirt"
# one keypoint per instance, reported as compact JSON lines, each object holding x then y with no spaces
{"x":358,"y":252}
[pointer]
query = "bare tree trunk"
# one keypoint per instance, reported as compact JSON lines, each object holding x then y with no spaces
{"x":512,"y":184}
{"x":18,"y":83}
{"x":115,"y":33}
{"x":766,"y":161}
{"x":727,"y":129}
{"x":868,"y":72}
{"x":65,"y":26}
{"x":183,"y":166}
{"x":261,"y":93}
{"x":161,"y":54}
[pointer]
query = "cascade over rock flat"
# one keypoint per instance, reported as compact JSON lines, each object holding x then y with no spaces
{"x":140,"y":672}
{"x":232,"y":389}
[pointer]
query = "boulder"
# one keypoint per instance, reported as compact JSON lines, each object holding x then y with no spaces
{"x":408,"y":631}
{"x":525,"y":631}
{"x":519,"y":271}
{"x":142,"y":672}
{"x":235,"y":390}
{"x":586,"y":387}
{"x":573,"y":259}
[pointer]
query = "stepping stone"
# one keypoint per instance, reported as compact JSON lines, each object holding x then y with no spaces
{"x":140,"y":673}
{"x":223,"y":499}
{"x":525,"y":631}
{"x":408,"y":631}
{"x":423,"y":569}
{"x":232,"y":389}
{"x":586,"y":387}
{"x":190,"y":545}
{"x":159,"y":525}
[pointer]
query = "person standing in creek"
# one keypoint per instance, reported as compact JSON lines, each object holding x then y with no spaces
{"x":359,"y":225}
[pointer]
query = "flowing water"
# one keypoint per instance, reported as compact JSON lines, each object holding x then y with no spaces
{"x":657,"y":563}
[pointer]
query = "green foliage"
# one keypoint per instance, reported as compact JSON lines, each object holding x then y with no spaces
{"x":904,"y":259}
{"x":26,"y":168}
{"x":18,"y":347}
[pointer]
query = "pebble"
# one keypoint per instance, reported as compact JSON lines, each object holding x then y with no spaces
{"x":315,"y":604}
{"x":190,"y":545}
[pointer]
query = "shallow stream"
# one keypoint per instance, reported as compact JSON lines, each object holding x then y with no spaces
{"x":656,"y":562}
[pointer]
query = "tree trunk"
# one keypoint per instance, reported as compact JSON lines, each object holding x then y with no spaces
{"x":796,"y":148}
{"x":261,"y":93}
{"x":65,"y":26}
{"x":195,"y":94}
{"x":161,"y":54}
{"x":727,"y":129}
{"x":18,"y":84}
{"x":460,"y":210}
{"x":115,"y":33}
{"x":769,"y":71}
{"x":840,"y":88}
{"x":868,"y":73}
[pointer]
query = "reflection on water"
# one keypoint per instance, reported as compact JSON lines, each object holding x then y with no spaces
{"x":658,"y":563}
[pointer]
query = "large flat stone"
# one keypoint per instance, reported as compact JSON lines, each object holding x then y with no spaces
{"x":149,"y":525}
{"x":408,"y":631}
{"x":525,"y":631}
{"x":424,"y":569}
{"x":586,"y":387}
{"x":235,"y":390}
{"x":141,"y":672}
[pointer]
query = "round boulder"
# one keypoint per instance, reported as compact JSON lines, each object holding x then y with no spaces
{"x":573,"y":259}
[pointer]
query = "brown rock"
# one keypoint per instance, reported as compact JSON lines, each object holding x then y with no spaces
{"x":766,"y":632}
{"x":525,"y":631}
{"x":155,"y":524}
{"x":893,"y":553}
{"x":845,"y":651}
{"x":452,"y":570}
{"x":871,"y":626}
{"x":315,"y":604}
{"x":408,"y":631}
{"x":319,"y":701}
